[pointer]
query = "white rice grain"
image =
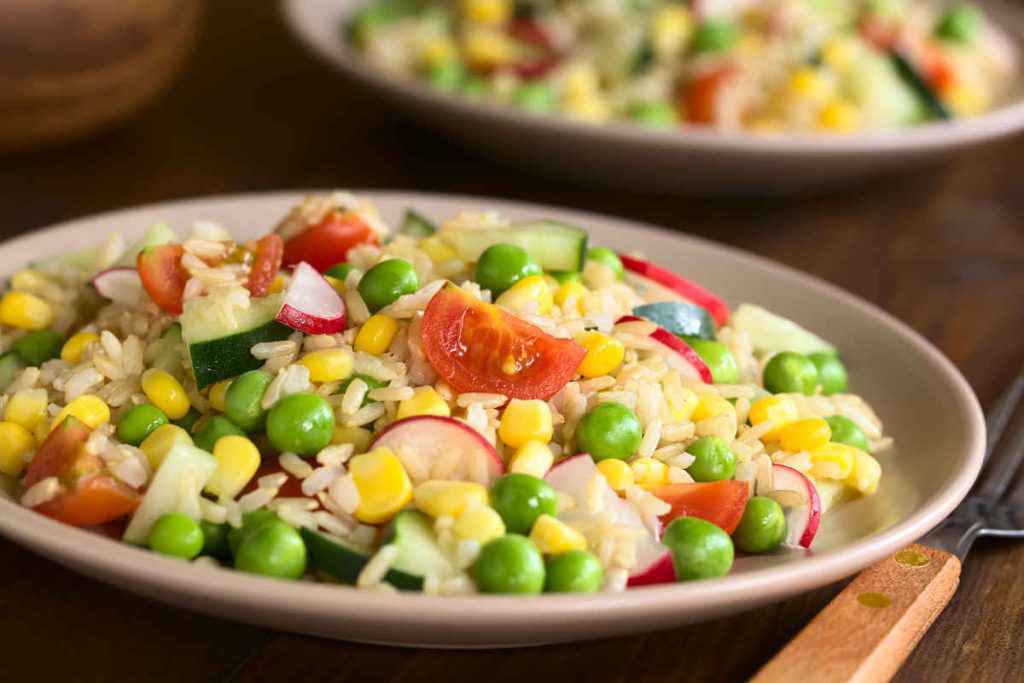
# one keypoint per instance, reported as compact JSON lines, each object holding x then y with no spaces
{"x":272,"y":481}
{"x":365,"y":415}
{"x":354,"y":396}
{"x":391,"y":394}
{"x":41,"y":492}
{"x":343,"y":492}
{"x":294,"y":465}
{"x":212,"y":512}
{"x":254,"y":500}
{"x":320,"y":479}
{"x":484,"y":400}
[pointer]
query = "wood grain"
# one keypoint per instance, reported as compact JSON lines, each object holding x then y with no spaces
{"x":941,"y":248}
{"x":870,"y":628}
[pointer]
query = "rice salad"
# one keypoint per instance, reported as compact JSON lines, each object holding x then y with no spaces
{"x":475,"y":405}
{"x":765,"y":66}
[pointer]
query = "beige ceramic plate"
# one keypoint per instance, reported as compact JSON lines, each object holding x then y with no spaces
{"x":693,"y":161}
{"x":926,"y":405}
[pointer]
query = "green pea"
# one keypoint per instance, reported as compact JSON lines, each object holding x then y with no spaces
{"x":371,"y":382}
{"x":251,"y":521}
{"x":215,"y":540}
{"x":960,"y":24}
{"x":212,"y":430}
{"x":715,"y":35}
{"x":139,"y":422}
{"x":520,"y":499}
{"x":790,"y":373}
{"x":563,"y":276}
{"x":475,"y":88}
{"x":606,"y":257}
{"x":713,"y":459}
{"x":340,"y":270}
{"x":243,"y":400}
{"x":177,"y":535}
{"x":539,"y":98}
{"x":188,"y":422}
{"x":301,"y":423}
{"x":576,"y":571}
{"x":609,"y":430}
{"x":762,"y":527}
{"x":503,"y":265}
{"x":35,"y":348}
{"x":845,"y":430}
{"x":654,"y":114}
{"x":510,"y":564}
{"x":831,"y":373}
{"x":386,"y":281}
{"x":700,"y":550}
{"x":719,"y":359}
{"x":447,"y":77}
{"x":273,"y":549}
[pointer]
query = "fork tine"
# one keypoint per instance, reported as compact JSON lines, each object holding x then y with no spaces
{"x":999,"y":415}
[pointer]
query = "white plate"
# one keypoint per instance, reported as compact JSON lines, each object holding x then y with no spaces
{"x":926,"y":405}
{"x":623,"y":155}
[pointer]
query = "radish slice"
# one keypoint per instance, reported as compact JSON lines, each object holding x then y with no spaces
{"x":662,"y":570}
{"x":122,"y":285}
{"x":802,"y":520}
{"x":311,"y":305}
{"x":573,"y":477}
{"x":690,"y":291}
{"x":678,"y":353}
{"x":434,"y":447}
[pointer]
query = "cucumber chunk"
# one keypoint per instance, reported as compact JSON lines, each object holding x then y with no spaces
{"x":770,"y":333}
{"x":10,"y":365}
{"x":419,"y":554}
{"x":416,"y":225}
{"x":159,"y":233}
{"x":555,"y":246}
{"x":343,"y":560}
{"x":681,"y":318}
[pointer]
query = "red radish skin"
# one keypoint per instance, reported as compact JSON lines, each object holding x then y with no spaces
{"x":434,"y":438}
{"x":663,"y":570}
{"x":673,"y":342}
{"x":311,"y":305}
{"x":785,"y":478}
{"x":690,"y":291}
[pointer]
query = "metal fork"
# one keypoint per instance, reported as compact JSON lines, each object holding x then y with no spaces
{"x":870,"y":628}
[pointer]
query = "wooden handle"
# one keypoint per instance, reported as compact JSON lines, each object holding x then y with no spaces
{"x":870,"y":628}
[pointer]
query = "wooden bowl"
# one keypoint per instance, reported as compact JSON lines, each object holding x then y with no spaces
{"x":72,"y":67}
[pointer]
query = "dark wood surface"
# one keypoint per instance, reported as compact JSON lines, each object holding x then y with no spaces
{"x":941,"y":248}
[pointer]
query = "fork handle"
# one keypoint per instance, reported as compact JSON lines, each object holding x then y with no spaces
{"x":871,"y":627}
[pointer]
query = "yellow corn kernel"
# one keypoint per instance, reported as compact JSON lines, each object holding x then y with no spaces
{"x":533,"y":457}
{"x":681,"y":403}
{"x":649,"y":472}
{"x":866,"y":473}
{"x":437,"y":52}
{"x":805,"y":435}
{"x":480,"y":523}
{"x":425,"y":401}
{"x":710,"y":405}
{"x":671,"y":27}
{"x":833,"y":461}
{"x":166,"y":393}
{"x":217,"y":394}
{"x":839,"y":116}
{"x":590,"y":108}
{"x":487,"y":12}
{"x":838,"y":53}
{"x":25,"y":311}
{"x":571,"y":292}
{"x":90,"y":410}
{"x":27,"y":408}
{"x":276,"y":285}
{"x":383,"y":485}
{"x":437,"y":250}
{"x":16,"y":444}
{"x":966,"y":98}
{"x":328,"y":365}
{"x":529,"y":295}
{"x":74,"y":347}
{"x":27,"y":280}
{"x":604,"y":353}
{"x":237,"y":461}
{"x":618,"y":474}
{"x":486,"y":48}
{"x":376,"y":334}
{"x":440,"y":498}
{"x":161,"y":440}
{"x":524,"y":421}
{"x":554,"y":537}
{"x":766,"y":125}
{"x":807,"y":84}
{"x":780,"y":409}
{"x":580,"y":82}
{"x":338,"y":285}
{"x":357,"y":436}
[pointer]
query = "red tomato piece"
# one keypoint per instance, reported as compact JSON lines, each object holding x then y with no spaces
{"x":163,"y":276}
{"x":327,"y":243}
{"x":544,"y":57}
{"x":476,"y":346}
{"x":720,"y":502}
{"x":269,"y":252}
{"x":880,"y":32}
{"x":700,"y":97}
{"x":94,"y":500}
{"x":60,"y":455}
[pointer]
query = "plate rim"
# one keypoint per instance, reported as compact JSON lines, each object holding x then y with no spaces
{"x":238,"y":591}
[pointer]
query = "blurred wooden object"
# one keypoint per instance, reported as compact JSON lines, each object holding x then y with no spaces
{"x":72,"y":67}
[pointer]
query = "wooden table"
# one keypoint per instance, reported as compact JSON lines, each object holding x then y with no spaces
{"x":941,"y":248}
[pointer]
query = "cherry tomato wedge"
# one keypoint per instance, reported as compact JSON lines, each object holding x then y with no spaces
{"x":544,"y":57}
{"x":327,"y":243}
{"x":163,"y":276}
{"x":61,"y":455}
{"x":719,"y":502}
{"x":269,"y":252}
{"x":701,"y":95}
{"x":94,"y":500}
{"x":476,"y":346}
